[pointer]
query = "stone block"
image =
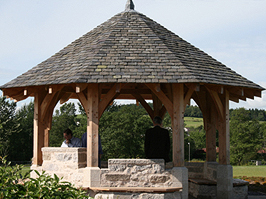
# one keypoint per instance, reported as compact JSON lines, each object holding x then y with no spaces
{"x":180,"y":179}
{"x":210,"y":170}
{"x":91,"y":177}
{"x":159,"y":178}
{"x":50,"y":167}
{"x":46,"y":156}
{"x":63,"y":157}
{"x":33,"y":174}
{"x":224,"y":182}
{"x":117,"y":177}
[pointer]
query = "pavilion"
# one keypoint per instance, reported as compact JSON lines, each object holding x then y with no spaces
{"x":130,"y":56}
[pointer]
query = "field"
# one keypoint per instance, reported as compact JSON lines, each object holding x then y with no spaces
{"x":193,"y":122}
{"x":249,"y":171}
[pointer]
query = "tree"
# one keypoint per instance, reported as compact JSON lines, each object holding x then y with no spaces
{"x":245,"y":137}
{"x":122,"y":131}
{"x":21,"y":143}
{"x":8,"y":124}
{"x":63,"y":119}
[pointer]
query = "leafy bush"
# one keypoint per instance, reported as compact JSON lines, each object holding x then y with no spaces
{"x":15,"y":185}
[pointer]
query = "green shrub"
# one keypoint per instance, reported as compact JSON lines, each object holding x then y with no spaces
{"x":14,"y":185}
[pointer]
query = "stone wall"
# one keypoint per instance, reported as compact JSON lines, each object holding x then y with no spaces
{"x":64,"y":162}
{"x":136,"y":173}
{"x":70,"y":164}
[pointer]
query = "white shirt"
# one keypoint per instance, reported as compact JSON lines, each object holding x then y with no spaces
{"x":74,"y":142}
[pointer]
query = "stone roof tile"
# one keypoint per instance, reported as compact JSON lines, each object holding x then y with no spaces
{"x":130,"y":47}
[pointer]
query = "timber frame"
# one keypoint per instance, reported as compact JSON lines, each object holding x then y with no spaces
{"x":173,"y":98}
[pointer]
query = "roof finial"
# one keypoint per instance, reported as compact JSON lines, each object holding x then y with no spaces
{"x":129,"y":5}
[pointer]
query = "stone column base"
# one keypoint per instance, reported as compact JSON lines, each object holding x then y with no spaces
{"x":91,"y":177}
{"x":180,"y":179}
{"x":224,"y":182}
{"x":33,"y":174}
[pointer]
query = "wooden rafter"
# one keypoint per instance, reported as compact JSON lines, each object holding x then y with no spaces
{"x":218,"y":102}
{"x":83,"y":100}
{"x":109,"y":97}
{"x":161,"y":95}
{"x":191,"y":89}
{"x":144,"y":104}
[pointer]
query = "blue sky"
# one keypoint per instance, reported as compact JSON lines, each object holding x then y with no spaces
{"x":231,"y":31}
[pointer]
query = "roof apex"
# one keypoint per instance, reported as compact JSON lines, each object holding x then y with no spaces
{"x":129,"y":5}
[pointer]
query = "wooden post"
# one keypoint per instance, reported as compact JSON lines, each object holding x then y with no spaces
{"x":210,"y":130}
{"x":178,"y":125}
{"x":157,"y":104}
{"x":38,"y":130}
{"x":224,"y":134}
{"x":92,"y":125}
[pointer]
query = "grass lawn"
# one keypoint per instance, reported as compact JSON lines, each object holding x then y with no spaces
{"x":193,"y":122}
{"x":249,"y":171}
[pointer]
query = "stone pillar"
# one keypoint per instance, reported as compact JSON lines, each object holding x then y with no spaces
{"x":224,"y":182}
{"x":210,"y":170}
{"x":180,"y":179}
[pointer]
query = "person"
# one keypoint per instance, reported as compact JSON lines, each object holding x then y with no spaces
{"x":157,"y":141}
{"x":70,"y":141}
{"x":100,"y":150}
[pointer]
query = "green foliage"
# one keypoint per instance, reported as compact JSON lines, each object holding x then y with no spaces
{"x":246,"y":137}
{"x":253,"y":114}
{"x":21,"y":143}
{"x":14,"y":185}
{"x":63,"y":119}
{"x":193,"y":111}
{"x":122,"y":131}
{"x":8,"y":124}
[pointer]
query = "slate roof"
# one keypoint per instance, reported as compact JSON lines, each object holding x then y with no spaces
{"x":130,"y":48}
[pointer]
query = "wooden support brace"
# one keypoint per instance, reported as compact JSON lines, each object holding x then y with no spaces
{"x":109,"y":97}
{"x":218,"y":102}
{"x":164,"y":99}
{"x":144,"y":104}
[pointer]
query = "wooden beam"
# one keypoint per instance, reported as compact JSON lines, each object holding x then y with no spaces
{"x":162,"y":112}
{"x":83,"y":100}
{"x":157,"y":105}
{"x":164,"y":99}
{"x":210,"y":127}
{"x":38,"y":129}
{"x":249,"y":94}
{"x":178,"y":125}
{"x":233,"y":98}
{"x":65,"y":98}
{"x":81,"y":87}
{"x":224,"y":134}
{"x":191,"y":89}
{"x":257,"y":93}
{"x":92,"y":125}
{"x":144,"y":104}
{"x":109,"y":97}
{"x":47,"y":100}
{"x":218,"y":102}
